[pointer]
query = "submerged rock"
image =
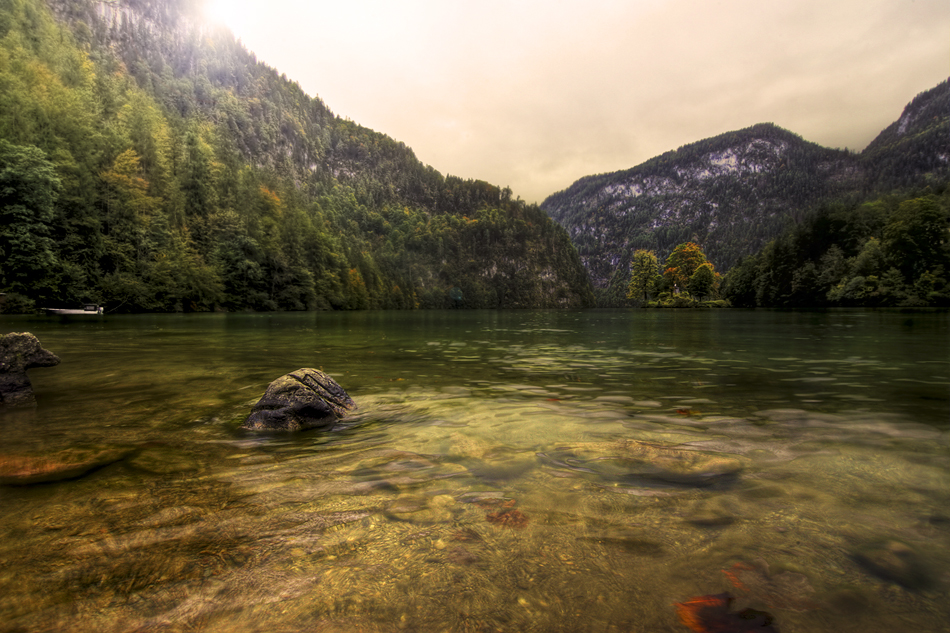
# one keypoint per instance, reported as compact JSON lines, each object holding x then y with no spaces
{"x":24,"y":470}
{"x":709,"y":614}
{"x":20,"y":351}
{"x":303,"y":399}
{"x":896,"y":562}
{"x":784,"y":590}
{"x":631,"y":541}
{"x":710,"y":513}
{"x":677,"y":466}
{"x":632,"y":461}
{"x":508,"y":517}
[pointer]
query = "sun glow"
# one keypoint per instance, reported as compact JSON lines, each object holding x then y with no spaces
{"x":229,"y":13}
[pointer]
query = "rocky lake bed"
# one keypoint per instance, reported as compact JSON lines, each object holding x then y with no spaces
{"x":521,"y":471}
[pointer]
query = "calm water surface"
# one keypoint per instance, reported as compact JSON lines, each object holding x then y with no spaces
{"x":506,"y":471}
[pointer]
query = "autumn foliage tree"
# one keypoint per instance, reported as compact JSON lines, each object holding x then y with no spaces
{"x":682,"y":263}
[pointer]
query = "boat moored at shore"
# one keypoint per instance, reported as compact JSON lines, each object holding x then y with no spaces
{"x":89,"y":309}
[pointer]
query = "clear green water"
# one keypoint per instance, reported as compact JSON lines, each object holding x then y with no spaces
{"x":646,"y":453}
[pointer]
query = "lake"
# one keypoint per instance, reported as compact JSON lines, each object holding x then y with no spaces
{"x":505,"y":471}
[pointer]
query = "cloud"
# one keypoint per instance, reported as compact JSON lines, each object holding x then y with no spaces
{"x":537,"y":94}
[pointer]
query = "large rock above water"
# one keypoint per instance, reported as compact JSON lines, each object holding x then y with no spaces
{"x":302,"y":399}
{"x":20,"y":351}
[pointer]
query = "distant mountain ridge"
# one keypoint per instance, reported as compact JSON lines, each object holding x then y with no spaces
{"x":734,"y":192}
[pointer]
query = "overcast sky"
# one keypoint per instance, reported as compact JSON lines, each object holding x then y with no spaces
{"x":534,"y":94}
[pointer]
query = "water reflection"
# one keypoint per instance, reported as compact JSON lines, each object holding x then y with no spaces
{"x":506,"y":471}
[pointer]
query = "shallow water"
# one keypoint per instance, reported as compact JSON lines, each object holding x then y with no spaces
{"x":506,"y":471}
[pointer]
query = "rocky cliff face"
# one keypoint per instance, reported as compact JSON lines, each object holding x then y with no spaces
{"x":733,"y":193}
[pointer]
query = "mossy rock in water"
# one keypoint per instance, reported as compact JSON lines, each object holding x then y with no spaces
{"x":303,"y":399}
{"x":20,"y":351}
{"x":23,"y":470}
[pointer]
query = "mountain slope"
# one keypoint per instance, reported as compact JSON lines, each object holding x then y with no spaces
{"x":188,"y":175}
{"x":735,"y":192}
{"x":730,"y":193}
{"x":915,"y":149}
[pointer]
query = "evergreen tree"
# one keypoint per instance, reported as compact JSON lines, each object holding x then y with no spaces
{"x":916,"y":238}
{"x":887,"y":252}
{"x":29,"y":188}
{"x":702,"y":281}
{"x":644,"y":275}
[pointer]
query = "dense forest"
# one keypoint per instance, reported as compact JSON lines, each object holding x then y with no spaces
{"x":735,"y":192}
{"x":150,"y":162}
{"x":892,"y":251}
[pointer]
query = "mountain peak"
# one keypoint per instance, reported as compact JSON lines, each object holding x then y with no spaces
{"x":927,"y":113}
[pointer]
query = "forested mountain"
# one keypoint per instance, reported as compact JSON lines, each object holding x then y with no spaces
{"x":150,"y":162}
{"x":915,"y":149}
{"x":733,"y":193}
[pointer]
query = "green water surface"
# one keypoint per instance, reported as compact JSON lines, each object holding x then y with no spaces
{"x":505,"y":471}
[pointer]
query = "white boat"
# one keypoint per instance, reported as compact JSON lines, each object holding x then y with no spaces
{"x":88,"y":309}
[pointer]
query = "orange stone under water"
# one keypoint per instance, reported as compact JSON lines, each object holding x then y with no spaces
{"x":710,"y":614}
{"x":508,"y":518}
